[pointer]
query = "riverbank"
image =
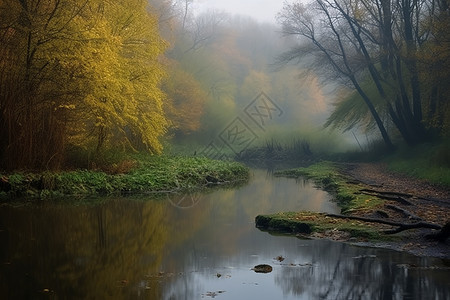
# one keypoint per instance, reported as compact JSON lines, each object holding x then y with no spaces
{"x":145,"y":174}
{"x":380,"y":208}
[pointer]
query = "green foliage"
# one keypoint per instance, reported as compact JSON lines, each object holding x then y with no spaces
{"x":349,"y":112}
{"x":321,"y":141}
{"x":189,"y":172}
{"x":318,"y":171}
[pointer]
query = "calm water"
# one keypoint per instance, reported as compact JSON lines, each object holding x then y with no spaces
{"x":198,"y":246}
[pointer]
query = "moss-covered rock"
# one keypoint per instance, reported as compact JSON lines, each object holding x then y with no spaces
{"x":282,"y":223}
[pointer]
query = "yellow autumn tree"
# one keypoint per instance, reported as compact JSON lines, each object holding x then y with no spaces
{"x":84,"y":72}
{"x":122,"y":71}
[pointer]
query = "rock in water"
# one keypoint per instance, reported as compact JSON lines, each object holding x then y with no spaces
{"x":262,"y":269}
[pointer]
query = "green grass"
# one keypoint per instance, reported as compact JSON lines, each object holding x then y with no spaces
{"x":147,"y":174}
{"x":429,"y":162}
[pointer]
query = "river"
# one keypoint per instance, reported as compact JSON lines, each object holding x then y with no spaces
{"x":197,"y":246}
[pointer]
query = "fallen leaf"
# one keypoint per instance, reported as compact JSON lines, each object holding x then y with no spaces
{"x":279,"y":258}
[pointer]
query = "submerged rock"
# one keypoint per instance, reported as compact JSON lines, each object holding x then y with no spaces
{"x":262,"y":268}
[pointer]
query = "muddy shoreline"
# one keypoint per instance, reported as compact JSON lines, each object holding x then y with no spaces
{"x":429,"y":201}
{"x":399,"y":198}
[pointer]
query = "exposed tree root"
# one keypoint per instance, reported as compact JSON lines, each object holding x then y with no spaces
{"x":382,"y":213}
{"x":445,"y":203}
{"x":404,"y":212}
{"x":401,"y":226}
{"x":387,"y":193}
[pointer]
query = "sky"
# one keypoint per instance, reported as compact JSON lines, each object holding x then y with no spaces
{"x":261,"y":10}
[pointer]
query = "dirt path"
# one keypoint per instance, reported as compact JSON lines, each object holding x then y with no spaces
{"x":430,"y":203}
{"x":378,"y":175}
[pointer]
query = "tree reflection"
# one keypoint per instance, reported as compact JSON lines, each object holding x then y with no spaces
{"x":83,"y":252}
{"x":339,"y":271}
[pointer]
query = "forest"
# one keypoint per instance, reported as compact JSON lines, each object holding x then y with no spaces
{"x":154,"y":149}
{"x":83,"y":78}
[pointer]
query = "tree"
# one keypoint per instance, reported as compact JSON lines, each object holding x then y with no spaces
{"x":371,"y":44}
{"x":77,"y":72}
{"x":33,"y":117}
{"x":331,"y":47}
{"x":124,"y":71}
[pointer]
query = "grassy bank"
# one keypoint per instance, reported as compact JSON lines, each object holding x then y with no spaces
{"x":137,"y":175}
{"x":317,"y":225}
{"x":326,"y":175}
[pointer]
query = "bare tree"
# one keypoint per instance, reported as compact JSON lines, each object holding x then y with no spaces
{"x":203,"y":29}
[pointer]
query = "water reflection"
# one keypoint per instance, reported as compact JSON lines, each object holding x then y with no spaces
{"x":196,"y":246}
{"x":311,"y":270}
{"x":66,"y":250}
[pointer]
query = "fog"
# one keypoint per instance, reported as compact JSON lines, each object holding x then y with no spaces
{"x":262,"y":11}
{"x":161,"y":75}
{"x":237,"y":83}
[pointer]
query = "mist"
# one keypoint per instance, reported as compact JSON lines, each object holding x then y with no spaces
{"x":233,"y":60}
